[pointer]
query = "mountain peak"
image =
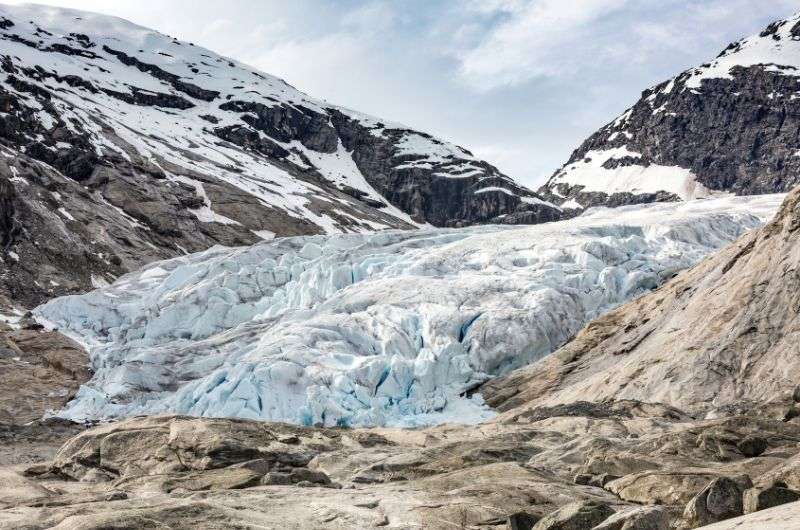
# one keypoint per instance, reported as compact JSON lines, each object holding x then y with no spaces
{"x":143,"y":147}
{"x":776,"y":49}
{"x":726,"y":126}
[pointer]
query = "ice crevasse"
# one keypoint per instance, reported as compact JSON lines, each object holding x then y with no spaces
{"x":390,"y":328}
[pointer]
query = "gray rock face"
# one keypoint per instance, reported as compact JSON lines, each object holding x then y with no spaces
{"x":756,"y":499}
{"x":720,"y":500}
{"x":732,"y":123}
{"x":576,"y":516}
{"x":41,"y":370}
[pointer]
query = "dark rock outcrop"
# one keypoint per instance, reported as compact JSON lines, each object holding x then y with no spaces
{"x":521,"y":521}
{"x":576,"y":516}
{"x":444,"y":193}
{"x":732,"y":123}
{"x":756,"y":499}
{"x":720,"y":500}
{"x":753,"y":446}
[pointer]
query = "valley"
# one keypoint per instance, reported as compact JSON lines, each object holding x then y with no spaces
{"x":225,"y":303}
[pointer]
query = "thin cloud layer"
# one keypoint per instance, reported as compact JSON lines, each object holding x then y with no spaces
{"x":531,"y":39}
{"x":528,"y":39}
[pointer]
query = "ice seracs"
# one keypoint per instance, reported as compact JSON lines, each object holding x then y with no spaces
{"x":392,"y":328}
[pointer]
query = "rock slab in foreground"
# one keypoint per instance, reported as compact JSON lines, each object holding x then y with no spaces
{"x":208,"y":473}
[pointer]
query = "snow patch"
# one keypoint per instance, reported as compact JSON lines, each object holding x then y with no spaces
{"x":778,"y":53}
{"x":63,"y":211}
{"x":593,"y":177}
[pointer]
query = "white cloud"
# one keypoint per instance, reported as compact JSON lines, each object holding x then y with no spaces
{"x":319,"y":65}
{"x":523,"y":40}
{"x":534,"y":38}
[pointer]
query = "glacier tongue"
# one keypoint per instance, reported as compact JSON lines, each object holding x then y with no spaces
{"x":391,"y":328}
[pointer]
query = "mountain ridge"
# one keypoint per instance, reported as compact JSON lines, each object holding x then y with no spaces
{"x":727,"y":126}
{"x":178,"y":149}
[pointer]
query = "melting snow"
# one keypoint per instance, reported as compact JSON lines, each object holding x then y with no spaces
{"x":590,"y":173}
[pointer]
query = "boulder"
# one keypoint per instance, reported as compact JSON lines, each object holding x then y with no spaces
{"x":307,"y":475}
{"x":602,"y":479}
{"x":521,"y":521}
{"x":753,"y":446}
{"x":756,"y":499}
{"x":598,"y":481}
{"x":660,"y":487}
{"x":209,"y":480}
{"x":720,"y":500}
{"x":576,"y":516}
{"x":276,"y":479}
{"x":645,"y":518}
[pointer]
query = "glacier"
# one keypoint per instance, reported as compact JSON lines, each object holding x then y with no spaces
{"x":394,"y":328}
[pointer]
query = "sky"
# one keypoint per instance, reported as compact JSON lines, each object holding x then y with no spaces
{"x":520,"y":83}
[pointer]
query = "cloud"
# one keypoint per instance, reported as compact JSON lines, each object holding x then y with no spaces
{"x":319,"y":65}
{"x":531,"y":39}
{"x":522,"y":40}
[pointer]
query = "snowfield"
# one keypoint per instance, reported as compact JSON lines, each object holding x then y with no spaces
{"x":591,"y":175}
{"x":777,"y":50}
{"x":392,"y":328}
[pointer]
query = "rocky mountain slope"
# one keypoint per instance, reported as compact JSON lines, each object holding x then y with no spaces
{"x":41,"y":370}
{"x":394,"y":328}
{"x":120,"y":145}
{"x":730,"y":125}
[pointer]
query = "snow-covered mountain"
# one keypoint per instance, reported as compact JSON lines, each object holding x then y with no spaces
{"x":390,"y":328}
{"x":120,"y":145}
{"x":730,"y":125}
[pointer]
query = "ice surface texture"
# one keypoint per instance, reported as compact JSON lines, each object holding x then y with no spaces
{"x":390,"y":328}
